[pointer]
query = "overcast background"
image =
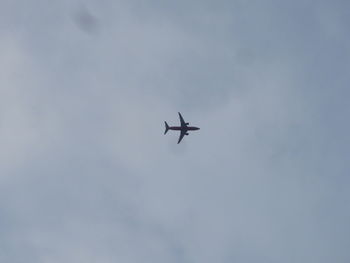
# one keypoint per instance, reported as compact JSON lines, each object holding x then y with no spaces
{"x":86,"y":174}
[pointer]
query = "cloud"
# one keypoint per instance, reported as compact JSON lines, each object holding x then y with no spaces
{"x":87,"y":174}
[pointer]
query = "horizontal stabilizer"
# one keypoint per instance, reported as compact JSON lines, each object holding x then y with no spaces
{"x":166,"y":127}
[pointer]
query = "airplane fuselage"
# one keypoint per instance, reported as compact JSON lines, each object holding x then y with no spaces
{"x":187,"y":128}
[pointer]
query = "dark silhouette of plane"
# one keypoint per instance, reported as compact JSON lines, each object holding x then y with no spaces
{"x":184,"y":128}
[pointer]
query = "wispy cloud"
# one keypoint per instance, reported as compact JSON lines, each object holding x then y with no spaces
{"x":87,"y":175}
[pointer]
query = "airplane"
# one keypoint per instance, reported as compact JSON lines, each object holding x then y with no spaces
{"x":184,"y":128}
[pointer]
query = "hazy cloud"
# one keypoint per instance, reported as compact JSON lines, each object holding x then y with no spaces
{"x":87,"y":175}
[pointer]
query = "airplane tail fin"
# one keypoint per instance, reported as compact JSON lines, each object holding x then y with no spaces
{"x":166,"y":128}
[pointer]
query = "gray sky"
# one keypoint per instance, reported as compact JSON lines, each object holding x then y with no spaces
{"x":86,"y":174}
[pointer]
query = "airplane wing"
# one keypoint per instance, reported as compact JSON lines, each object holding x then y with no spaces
{"x":182,"y":134}
{"x":183,"y":123}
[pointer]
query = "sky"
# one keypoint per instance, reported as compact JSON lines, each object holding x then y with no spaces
{"x":86,"y":174}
